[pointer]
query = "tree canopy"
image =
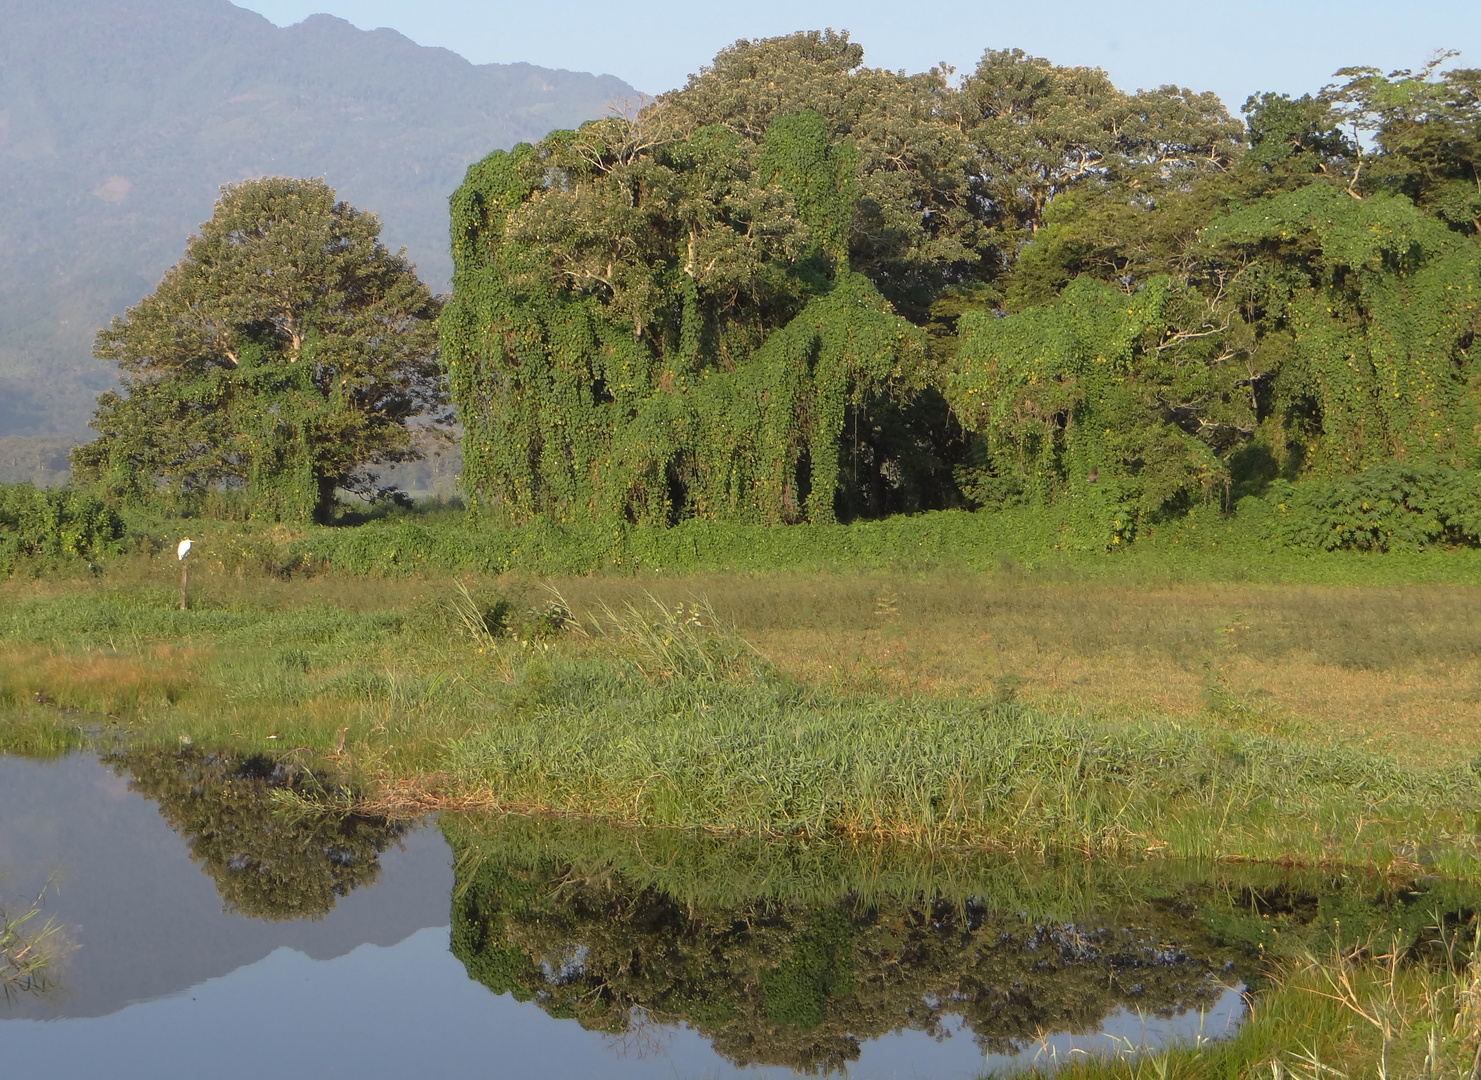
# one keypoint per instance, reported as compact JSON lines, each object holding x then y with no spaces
{"x":1307,"y":312}
{"x":741,"y":301}
{"x":687,"y":312}
{"x":280,"y":358}
{"x":801,"y":289}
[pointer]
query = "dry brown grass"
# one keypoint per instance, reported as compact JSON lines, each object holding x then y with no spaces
{"x":1395,"y":667}
{"x":104,"y":681}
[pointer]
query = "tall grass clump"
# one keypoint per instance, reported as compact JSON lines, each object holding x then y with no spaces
{"x":27,"y":960}
{"x":682,"y":726}
{"x":678,"y":643}
{"x":1363,"y":1012}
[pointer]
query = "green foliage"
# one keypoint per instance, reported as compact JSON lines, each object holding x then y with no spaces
{"x":1365,"y":312}
{"x":1299,"y":309}
{"x":1427,"y":125}
{"x":271,"y":858}
{"x":282,"y":356}
{"x":1041,"y":132}
{"x":799,"y":290}
{"x":53,"y":524}
{"x":1115,"y":404}
{"x":1391,"y":507}
{"x":1295,"y":141}
{"x":686,"y":313}
{"x":1323,"y":333}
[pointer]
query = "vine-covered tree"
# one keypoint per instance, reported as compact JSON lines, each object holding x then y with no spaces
{"x":280,"y":359}
{"x":1306,"y":310}
{"x":692,"y":312}
{"x":1119,"y":405}
{"x":799,"y":288}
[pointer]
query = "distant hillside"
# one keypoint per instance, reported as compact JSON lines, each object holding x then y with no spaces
{"x":119,"y":119}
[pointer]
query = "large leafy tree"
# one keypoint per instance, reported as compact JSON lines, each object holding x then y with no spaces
{"x":1305,"y":309}
{"x":280,"y":359}
{"x":695,"y":311}
{"x":1042,"y":135}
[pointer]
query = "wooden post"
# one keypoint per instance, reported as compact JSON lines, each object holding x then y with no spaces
{"x":183,"y":575}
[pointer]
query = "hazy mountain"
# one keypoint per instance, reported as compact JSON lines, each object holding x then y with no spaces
{"x":119,"y":119}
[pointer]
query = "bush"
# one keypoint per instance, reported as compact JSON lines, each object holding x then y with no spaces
{"x":1392,"y":507}
{"x":53,"y":524}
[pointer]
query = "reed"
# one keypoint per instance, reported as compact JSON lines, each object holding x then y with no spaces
{"x":27,"y":958}
{"x":1356,"y":1013}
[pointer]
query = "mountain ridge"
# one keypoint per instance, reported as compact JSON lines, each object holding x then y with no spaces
{"x":121,"y":119}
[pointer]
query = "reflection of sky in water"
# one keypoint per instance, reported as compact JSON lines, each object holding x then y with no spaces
{"x":164,"y":984}
{"x":409,"y":1010}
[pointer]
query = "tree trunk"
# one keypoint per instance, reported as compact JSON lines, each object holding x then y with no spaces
{"x":324,"y":505}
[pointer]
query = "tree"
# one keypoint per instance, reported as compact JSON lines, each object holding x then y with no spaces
{"x":1426,"y":125}
{"x":280,"y":359}
{"x":1366,"y":312}
{"x":691,"y":311}
{"x":1120,"y":407}
{"x":1041,"y":132}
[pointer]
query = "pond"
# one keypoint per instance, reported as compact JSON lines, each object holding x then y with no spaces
{"x":209,"y":921}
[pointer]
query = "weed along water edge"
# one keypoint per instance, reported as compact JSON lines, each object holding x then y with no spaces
{"x":580,"y":949}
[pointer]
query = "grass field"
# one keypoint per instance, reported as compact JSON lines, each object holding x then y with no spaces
{"x":1392,"y":668}
{"x":1215,"y":720}
{"x":1131,"y":714}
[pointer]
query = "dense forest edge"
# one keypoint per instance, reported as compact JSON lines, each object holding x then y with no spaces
{"x":802,"y":291}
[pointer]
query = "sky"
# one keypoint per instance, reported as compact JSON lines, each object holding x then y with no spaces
{"x":1232,"y":48}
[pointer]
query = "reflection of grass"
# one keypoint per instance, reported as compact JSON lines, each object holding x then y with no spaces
{"x":26,"y":957}
{"x":37,"y":733}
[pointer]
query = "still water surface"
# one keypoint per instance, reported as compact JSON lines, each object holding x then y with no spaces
{"x":212,"y":934}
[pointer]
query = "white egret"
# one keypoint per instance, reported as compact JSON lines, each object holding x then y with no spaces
{"x":184,"y":549}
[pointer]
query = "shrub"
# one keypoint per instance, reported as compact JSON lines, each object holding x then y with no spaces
{"x":1392,"y":507}
{"x":53,"y":524}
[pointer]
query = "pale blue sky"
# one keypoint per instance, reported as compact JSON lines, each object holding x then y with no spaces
{"x":1232,"y":48}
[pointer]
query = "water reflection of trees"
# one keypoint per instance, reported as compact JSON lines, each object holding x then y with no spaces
{"x":780,"y":984}
{"x":267,"y":861}
{"x":802,"y":980}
